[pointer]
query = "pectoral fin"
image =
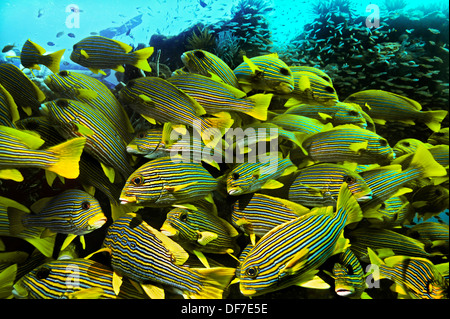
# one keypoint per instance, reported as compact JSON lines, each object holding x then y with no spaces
{"x":272,"y":184}
{"x":206,"y":237}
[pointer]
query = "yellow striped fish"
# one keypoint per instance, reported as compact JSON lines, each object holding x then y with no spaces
{"x":319,"y":185}
{"x":433,"y":235}
{"x":44,"y":127}
{"x":413,"y":277}
{"x":200,"y":230}
{"x":258,"y":214}
{"x":439,"y":137}
{"x":73,"y":212}
{"x":21,"y":149}
{"x":385,"y":106}
{"x":218,"y":97}
{"x":157,"y":99}
{"x":299,"y":123}
{"x":348,"y":143}
{"x":25,"y":93}
{"x":143,"y":254}
{"x":97,"y":52}
{"x":166,"y":181}
{"x":9,"y":113}
{"x":318,"y":90}
{"x":32,"y":55}
{"x":73,"y":118}
{"x":266,"y":72}
{"x":408,"y":145}
{"x":385,"y":242}
{"x":86,"y":89}
{"x":394,"y":211}
{"x":338,"y":114}
{"x":206,"y":63}
{"x":303,"y":68}
{"x":72,"y":279}
{"x":348,"y":275}
{"x":290,"y":253}
{"x":249,"y":177}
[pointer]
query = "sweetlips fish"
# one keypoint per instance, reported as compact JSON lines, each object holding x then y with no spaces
{"x":200,"y":231}
{"x":73,"y":212}
{"x":167,"y":181}
{"x":84,"y":88}
{"x":216,"y":97}
{"x":32,"y":55}
{"x":97,"y":53}
{"x":73,"y":118}
{"x":147,"y":256}
{"x":339,"y":114}
{"x":21,"y":149}
{"x":26,"y":94}
{"x":413,"y":277}
{"x":266,"y":72}
{"x":249,"y":177}
{"x":290,"y":253}
{"x":408,"y":145}
{"x":206,"y":63}
{"x":159,"y":100}
{"x":72,"y":279}
{"x":385,"y":106}
{"x":348,"y":143}
{"x":319,"y":185}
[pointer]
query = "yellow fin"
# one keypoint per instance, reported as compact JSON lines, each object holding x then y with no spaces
{"x":83,"y":129}
{"x":84,"y":53}
{"x":303,"y":83}
{"x":86,"y":93}
{"x":153,"y":291}
{"x":141,"y":58}
{"x":14,"y":112}
{"x":68,"y":240}
{"x":68,"y":153}
{"x":206,"y":237}
{"x":109,"y":172}
{"x":379,"y":121}
{"x":296,"y":262}
{"x":261,"y":105}
{"x":202,"y":258}
{"x":272,"y":184}
{"x":40,"y":204}
{"x":55,"y":60}
{"x":178,"y":252}
{"x":251,"y":65}
{"x":119,"y":68}
{"x":357,"y":147}
{"x":149,"y":119}
{"x":315,"y":283}
{"x":38,"y":47}
{"x":30,"y":139}
{"x":12,"y":174}
{"x":325,"y":117}
{"x":89,"y":293}
{"x":116,"y":282}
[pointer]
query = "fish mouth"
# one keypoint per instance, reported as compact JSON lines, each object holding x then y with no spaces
{"x":184,"y":58}
{"x":344,"y":292}
{"x":43,"y":110}
{"x":19,"y":291}
{"x":98,"y":221}
{"x":247,"y":291}
{"x":234,"y":191}
{"x":169,"y":231}
{"x":364,"y":198}
{"x":132,"y":149}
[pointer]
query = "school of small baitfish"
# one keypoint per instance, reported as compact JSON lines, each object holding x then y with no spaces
{"x":338,"y":191}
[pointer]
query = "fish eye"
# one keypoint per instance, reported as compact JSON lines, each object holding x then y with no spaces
{"x":383,"y":142}
{"x":252,"y":272}
{"x":62,"y":103}
{"x":235,"y":176}
{"x":285,"y":71}
{"x":141,"y":135}
{"x":137,"y":180}
{"x":383,"y":206}
{"x":85,"y":205}
{"x":199,"y":54}
{"x":329,"y":89}
{"x":349,"y":179}
{"x":353,"y":113}
{"x":183,"y":216}
{"x":407,"y":144}
{"x":42,"y":273}
{"x":63,"y":73}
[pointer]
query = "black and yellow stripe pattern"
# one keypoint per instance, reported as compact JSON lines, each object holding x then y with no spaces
{"x":349,"y":277}
{"x":63,"y":279}
{"x":319,"y":185}
{"x":166,"y":181}
{"x":203,"y":62}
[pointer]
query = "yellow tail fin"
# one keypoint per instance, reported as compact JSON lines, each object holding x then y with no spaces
{"x":55,"y":60}
{"x":69,"y":153}
{"x":262,"y":102}
{"x":141,"y":58}
{"x":215,"y":281}
{"x":434,"y":119}
{"x":212,"y":126}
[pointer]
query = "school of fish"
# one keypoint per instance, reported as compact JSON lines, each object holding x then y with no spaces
{"x":304,"y":194}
